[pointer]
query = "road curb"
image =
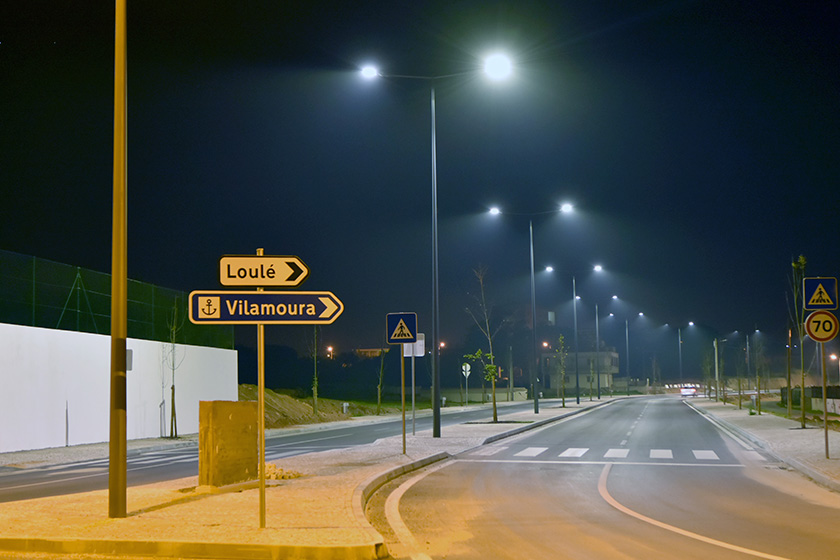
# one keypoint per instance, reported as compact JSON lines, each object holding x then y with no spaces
{"x":175,"y":549}
{"x":817,"y":476}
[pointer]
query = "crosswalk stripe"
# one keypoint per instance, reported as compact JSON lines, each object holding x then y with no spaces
{"x":661,"y":454}
{"x":617,"y":453}
{"x":705,"y":454}
{"x":574,"y":452}
{"x":531,"y":451}
{"x":487,"y":451}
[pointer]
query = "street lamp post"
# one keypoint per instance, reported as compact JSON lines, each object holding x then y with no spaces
{"x":536,"y":363}
{"x":597,"y":353}
{"x":577,"y":370}
{"x":497,"y":67}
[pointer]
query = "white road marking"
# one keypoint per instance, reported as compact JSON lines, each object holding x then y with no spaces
{"x":531,"y":452}
{"x":392,"y":514}
{"x":488,"y":451}
{"x":755,"y":455}
{"x":661,"y":454}
{"x":705,"y":455}
{"x":602,"y":489}
{"x":574,"y":452}
{"x":616,"y":453}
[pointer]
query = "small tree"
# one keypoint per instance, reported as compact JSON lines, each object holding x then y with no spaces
{"x":489,"y":371}
{"x":381,"y":380}
{"x":174,"y":325}
{"x":561,"y":352}
{"x":481,"y":317}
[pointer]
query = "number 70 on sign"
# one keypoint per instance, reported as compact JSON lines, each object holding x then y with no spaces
{"x":821,"y":326}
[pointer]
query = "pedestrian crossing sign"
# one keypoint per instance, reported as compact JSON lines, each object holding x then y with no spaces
{"x":819,"y":293}
{"x":401,"y":328}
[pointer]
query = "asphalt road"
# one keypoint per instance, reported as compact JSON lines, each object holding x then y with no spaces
{"x":640,"y":478}
{"x":155,"y":466}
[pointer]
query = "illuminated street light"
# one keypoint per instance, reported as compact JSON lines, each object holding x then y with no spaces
{"x":536,"y":363}
{"x":496,"y":69}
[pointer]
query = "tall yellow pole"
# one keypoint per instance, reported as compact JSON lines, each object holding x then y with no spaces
{"x":261,"y":410}
{"x":119,"y":279}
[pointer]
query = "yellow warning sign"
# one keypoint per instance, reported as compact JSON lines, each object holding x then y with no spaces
{"x":401,"y":332}
{"x":821,"y":297}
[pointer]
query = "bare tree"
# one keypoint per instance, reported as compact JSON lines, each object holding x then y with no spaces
{"x":489,"y":372}
{"x":481,"y":313}
{"x":174,"y":326}
{"x":313,"y":353}
{"x":797,"y":314}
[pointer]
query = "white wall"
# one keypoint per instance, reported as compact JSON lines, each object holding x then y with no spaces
{"x":55,"y":387}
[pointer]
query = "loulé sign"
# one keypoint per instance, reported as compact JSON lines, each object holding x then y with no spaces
{"x":259,"y":270}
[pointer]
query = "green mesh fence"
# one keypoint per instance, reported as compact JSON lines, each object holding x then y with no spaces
{"x":41,"y":293}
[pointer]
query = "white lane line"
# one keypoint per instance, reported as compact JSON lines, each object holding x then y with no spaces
{"x":616,"y":453}
{"x":574,"y":452}
{"x":602,"y":489}
{"x":705,"y":455}
{"x":392,"y":514}
{"x":623,"y":463}
{"x":755,"y":456}
{"x":531,"y":452}
{"x":661,"y":454}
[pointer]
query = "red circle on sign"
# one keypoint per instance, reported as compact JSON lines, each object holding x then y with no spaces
{"x":821,"y":326}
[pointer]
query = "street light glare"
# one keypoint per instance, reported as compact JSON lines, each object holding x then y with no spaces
{"x":566,"y":208}
{"x":498,"y":67}
{"x":369,"y":72}
{"x":495,"y":211}
{"x":549,"y":269}
{"x":598,"y":268}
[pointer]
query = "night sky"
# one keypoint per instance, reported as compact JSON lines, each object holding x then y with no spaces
{"x":698,"y":141}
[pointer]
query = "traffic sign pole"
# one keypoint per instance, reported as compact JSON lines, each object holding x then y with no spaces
{"x":261,"y":409}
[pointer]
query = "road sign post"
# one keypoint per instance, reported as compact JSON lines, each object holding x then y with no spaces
{"x":465,"y":369}
{"x":260,"y":308}
{"x":401,"y":328}
{"x":821,"y":326}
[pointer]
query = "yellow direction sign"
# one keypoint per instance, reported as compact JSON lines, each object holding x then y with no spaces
{"x":261,"y":270}
{"x":821,"y":326}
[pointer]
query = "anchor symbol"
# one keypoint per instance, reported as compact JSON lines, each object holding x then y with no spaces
{"x":208,"y":309}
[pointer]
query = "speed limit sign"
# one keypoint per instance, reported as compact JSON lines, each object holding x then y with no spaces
{"x":821,"y":326}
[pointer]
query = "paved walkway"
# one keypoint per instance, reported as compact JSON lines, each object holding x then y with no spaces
{"x":319,"y":515}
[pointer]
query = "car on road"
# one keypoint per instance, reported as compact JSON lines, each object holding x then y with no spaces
{"x":688,"y":392}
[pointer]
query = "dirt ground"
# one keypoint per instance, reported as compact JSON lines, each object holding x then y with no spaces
{"x":282,"y":410}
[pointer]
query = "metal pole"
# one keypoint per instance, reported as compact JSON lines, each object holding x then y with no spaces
{"x":789,"y":388}
{"x":679,"y":346}
{"x":825,"y":397}
{"x":413,"y":410}
{"x":117,"y":465}
{"x":577,"y":369}
{"x":261,"y":410}
{"x":435,"y":288}
{"x":402,"y":396}
{"x":536,"y":362}
{"x":597,"y":352}
{"x":717,"y":372}
{"x":627,"y":343}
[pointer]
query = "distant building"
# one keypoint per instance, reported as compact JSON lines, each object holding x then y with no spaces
{"x":370,"y":352}
{"x":588,"y":367}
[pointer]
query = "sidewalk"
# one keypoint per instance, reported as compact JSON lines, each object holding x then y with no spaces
{"x":319,"y":515}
